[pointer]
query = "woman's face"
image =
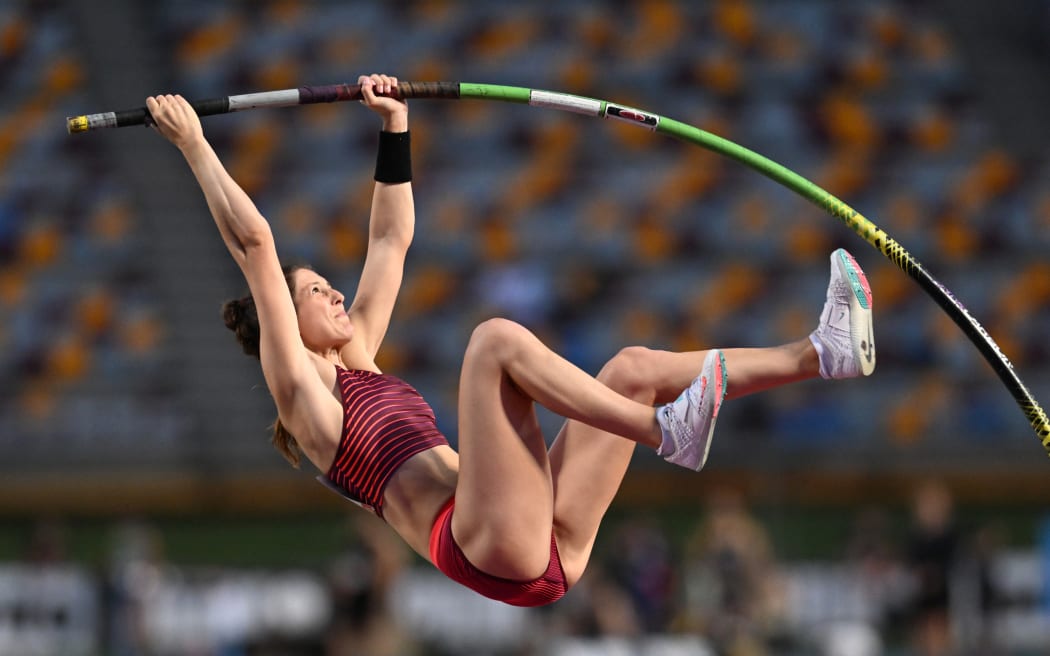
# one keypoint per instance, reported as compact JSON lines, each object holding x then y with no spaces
{"x":323,"y":323}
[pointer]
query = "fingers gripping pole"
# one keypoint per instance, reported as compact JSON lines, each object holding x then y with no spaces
{"x":600,"y":108}
{"x":140,"y":115}
{"x":282,"y":98}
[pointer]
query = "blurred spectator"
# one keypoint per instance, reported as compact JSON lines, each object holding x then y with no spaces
{"x":933,"y":549}
{"x":134,"y":575}
{"x":597,"y":606}
{"x":983,"y":598}
{"x":733,"y":592}
{"x":640,"y":561}
{"x":360,"y":581}
{"x":872,"y":548}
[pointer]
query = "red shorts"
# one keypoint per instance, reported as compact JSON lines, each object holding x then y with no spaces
{"x":449,"y":558}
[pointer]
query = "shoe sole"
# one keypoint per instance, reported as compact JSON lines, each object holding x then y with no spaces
{"x":860,"y":329}
{"x":721,"y":380}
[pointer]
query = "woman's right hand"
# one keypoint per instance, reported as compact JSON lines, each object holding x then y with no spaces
{"x":174,"y":118}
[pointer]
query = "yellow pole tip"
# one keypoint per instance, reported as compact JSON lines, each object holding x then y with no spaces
{"x":76,"y":124}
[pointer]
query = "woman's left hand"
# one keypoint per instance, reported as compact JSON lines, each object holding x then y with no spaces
{"x":393,"y":111}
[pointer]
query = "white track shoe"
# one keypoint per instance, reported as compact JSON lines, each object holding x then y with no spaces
{"x":844,"y":339}
{"x":688,"y":423}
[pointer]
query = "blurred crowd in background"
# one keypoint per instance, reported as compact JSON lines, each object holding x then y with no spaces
{"x":595,"y":235}
{"x":924,"y":583}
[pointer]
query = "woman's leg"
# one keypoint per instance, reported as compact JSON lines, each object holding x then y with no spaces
{"x":504,"y":497}
{"x":588,"y":464}
{"x":513,"y":494}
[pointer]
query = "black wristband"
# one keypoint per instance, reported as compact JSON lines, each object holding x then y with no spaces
{"x":394,"y":157}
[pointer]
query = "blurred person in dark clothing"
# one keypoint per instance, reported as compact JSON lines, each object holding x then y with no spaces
{"x":933,"y":548}
{"x":734,"y":591}
{"x":360,"y":579}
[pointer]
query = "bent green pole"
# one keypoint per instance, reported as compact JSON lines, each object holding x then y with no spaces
{"x":601,"y":108}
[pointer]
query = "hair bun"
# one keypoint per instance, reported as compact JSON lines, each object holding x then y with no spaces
{"x":234,"y":311}
{"x":240,"y":316}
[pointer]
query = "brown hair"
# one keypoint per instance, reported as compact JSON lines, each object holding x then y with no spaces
{"x":241,"y":317}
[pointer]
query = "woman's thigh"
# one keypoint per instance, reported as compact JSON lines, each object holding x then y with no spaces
{"x":504,"y":497}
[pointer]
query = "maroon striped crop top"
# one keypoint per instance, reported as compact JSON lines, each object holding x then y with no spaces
{"x":385,"y":422}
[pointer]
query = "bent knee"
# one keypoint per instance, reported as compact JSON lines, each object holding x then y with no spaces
{"x":497,"y":339}
{"x":630,"y":372}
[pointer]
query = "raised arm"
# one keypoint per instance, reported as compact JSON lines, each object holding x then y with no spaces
{"x":392,"y":219}
{"x":250,"y":241}
{"x":241,"y":225}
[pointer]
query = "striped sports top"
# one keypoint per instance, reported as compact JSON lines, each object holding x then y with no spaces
{"x":385,"y":422}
